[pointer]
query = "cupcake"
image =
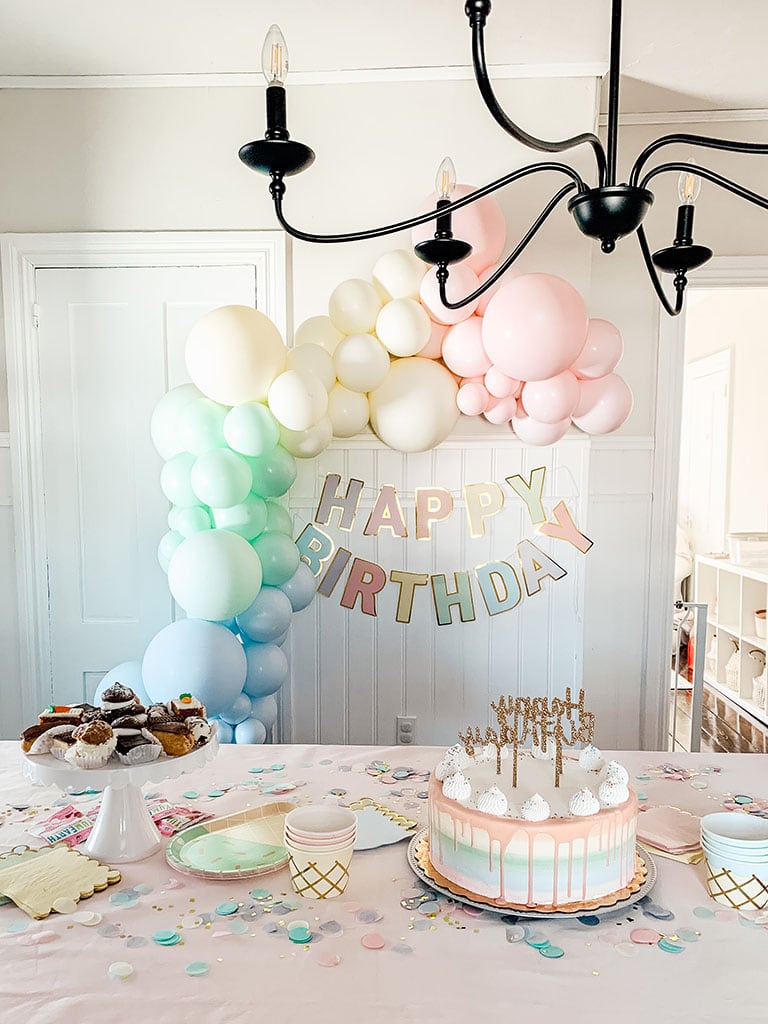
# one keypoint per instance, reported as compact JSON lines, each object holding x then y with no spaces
{"x":176,"y":738}
{"x":92,"y":745}
{"x":136,"y":746}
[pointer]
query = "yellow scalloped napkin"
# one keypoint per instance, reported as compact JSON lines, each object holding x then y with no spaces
{"x":36,"y":883}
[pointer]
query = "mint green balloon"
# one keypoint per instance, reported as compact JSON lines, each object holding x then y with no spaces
{"x":278,"y":519}
{"x":214,"y":575}
{"x":164,"y":423}
{"x":278,"y":555}
{"x":173,"y":517}
{"x":200,"y":425}
{"x":272,"y":473}
{"x":167,"y":546}
{"x":221,"y":478}
{"x":175,"y":480}
{"x":248,"y":518}
{"x":251,"y":429}
{"x":192,"y":520}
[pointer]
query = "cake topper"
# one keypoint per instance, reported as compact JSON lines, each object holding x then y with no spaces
{"x":544,"y":720}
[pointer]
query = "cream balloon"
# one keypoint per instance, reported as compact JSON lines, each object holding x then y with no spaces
{"x":415,"y":408}
{"x":361,"y":362}
{"x":403,"y":327}
{"x":233,"y":354}
{"x":214,"y":574}
{"x":348,"y":411}
{"x":398,"y":274}
{"x":297,"y":399}
{"x":318,"y":330}
{"x":313,"y":359}
{"x":307,"y":444}
{"x":354,"y":306}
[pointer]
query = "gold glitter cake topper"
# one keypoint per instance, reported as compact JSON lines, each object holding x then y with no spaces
{"x":544,"y":720}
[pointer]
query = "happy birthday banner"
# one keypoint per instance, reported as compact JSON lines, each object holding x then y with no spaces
{"x":499,"y":582}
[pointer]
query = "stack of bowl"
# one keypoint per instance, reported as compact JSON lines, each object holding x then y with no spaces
{"x":320,"y":841}
{"x":736,"y":849}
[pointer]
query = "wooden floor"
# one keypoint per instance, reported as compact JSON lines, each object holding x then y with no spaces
{"x":724,"y":727}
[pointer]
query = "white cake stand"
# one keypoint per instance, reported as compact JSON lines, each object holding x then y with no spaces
{"x":124,"y":830}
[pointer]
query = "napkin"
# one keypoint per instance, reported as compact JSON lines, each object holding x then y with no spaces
{"x":35,"y":884}
{"x":671,"y":832}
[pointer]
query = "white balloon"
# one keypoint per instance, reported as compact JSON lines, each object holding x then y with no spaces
{"x":318,"y":330}
{"x":361,"y":362}
{"x":354,"y":306}
{"x":347,"y":410}
{"x":415,"y":408}
{"x":297,"y":399}
{"x":163,"y":425}
{"x":314,"y":359}
{"x":403,"y":327}
{"x":307,"y":444}
{"x":398,"y":274}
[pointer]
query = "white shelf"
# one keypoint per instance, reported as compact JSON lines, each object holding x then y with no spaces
{"x":740,"y":702}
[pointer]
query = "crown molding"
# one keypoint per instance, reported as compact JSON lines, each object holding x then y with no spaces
{"x":689,"y":116}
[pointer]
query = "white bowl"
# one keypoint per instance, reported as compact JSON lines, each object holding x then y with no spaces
{"x":735,"y":826}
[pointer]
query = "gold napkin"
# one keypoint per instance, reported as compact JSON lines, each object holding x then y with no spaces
{"x":37,"y":882}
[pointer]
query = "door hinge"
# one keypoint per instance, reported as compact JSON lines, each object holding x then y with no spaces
{"x":36,"y":315}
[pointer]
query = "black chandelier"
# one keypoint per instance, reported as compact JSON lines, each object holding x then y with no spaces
{"x":608,"y":211}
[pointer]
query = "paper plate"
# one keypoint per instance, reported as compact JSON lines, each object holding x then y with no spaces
{"x":238,"y":846}
{"x":378,"y":825}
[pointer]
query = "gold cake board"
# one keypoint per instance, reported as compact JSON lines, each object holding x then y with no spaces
{"x":642,"y":883}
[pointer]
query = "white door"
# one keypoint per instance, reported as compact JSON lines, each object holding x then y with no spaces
{"x":111,"y":344}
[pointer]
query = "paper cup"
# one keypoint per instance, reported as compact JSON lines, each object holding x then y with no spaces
{"x":320,"y":821}
{"x":319,"y":875}
{"x":734,"y":889}
{"x":310,"y":847}
{"x":734,"y":827}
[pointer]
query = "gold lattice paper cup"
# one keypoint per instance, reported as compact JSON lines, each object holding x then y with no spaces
{"x":319,"y":875}
{"x":732,"y":888}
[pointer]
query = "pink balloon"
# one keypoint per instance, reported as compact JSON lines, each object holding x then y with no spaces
{"x":434,"y":347}
{"x":486,"y":297}
{"x":461,"y":281}
{"x":552,"y":400}
{"x":603,"y":405}
{"x":535,"y":326}
{"x":500,"y":410}
{"x":602,"y":351}
{"x":463,"y":350}
{"x":481,"y":224}
{"x":531,"y":431}
{"x":472,"y":398}
{"x":500,"y":385}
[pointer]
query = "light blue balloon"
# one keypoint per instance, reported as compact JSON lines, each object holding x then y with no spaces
{"x":250,"y":731}
{"x":238,"y":711}
{"x":278,"y":555}
{"x":225,"y":733}
{"x":198,"y":657}
{"x":267,"y":669}
{"x":231,"y":625}
{"x":268,"y":617}
{"x":300,"y":588}
{"x":265,"y":709}
{"x":129,"y":674}
{"x":282,"y":638}
{"x":278,"y":518}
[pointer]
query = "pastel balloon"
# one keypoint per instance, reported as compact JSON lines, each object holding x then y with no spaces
{"x":415,"y":408}
{"x":251,"y":429}
{"x":224,"y":732}
{"x":238,"y":710}
{"x":163,"y":426}
{"x":167,"y":546}
{"x":602,"y":350}
{"x":278,"y":555}
{"x":273,"y":473}
{"x":354,"y":306}
{"x":485,"y":298}
{"x":221,"y":478}
{"x":463,"y":351}
{"x":192,"y":520}
{"x":398,"y":274}
{"x":248,"y":518}
{"x":264,"y":709}
{"x":461,"y":282}
{"x":361,"y":362}
{"x":214,"y":574}
{"x":316,"y":360}
{"x":250,"y":731}
{"x":434,"y":346}
{"x":300,"y":588}
{"x":307,"y":444}
{"x":267,"y":669}
{"x":129,"y":674}
{"x":347,"y":410}
{"x":201,"y":425}
{"x":318,"y":330}
{"x":472,"y":398}
{"x":268,"y":617}
{"x":282,"y":638}
{"x":603,"y":405}
{"x":176,"y":482}
{"x":278,"y":518}
{"x":403,"y":327}
{"x":533,"y":432}
{"x":500,"y":385}
{"x":173,"y":516}
{"x":535,"y":326}
{"x":298,"y":399}
{"x":233,"y":354}
{"x":501,"y":410}
{"x":551,"y":400}
{"x":481,"y":224}
{"x":194,"y":656}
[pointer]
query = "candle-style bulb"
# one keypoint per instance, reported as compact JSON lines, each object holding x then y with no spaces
{"x":445,"y":180}
{"x":688,"y":187}
{"x":274,"y":57}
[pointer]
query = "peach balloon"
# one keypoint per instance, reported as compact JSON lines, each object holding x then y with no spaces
{"x":604,"y":404}
{"x":535,"y":326}
{"x":500,"y":410}
{"x":472,"y":398}
{"x":480,"y":223}
{"x":602,"y":351}
{"x":532,"y":431}
{"x":461,"y":282}
{"x":463,"y":351}
{"x":551,"y":400}
{"x":500,"y":385}
{"x":434,"y":347}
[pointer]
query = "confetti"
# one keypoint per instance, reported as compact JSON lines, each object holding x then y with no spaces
{"x":227,"y":908}
{"x":87,"y":917}
{"x":261,"y":894}
{"x":109,"y":931}
{"x":515,"y":933}
{"x":17,"y":926}
{"x":197,"y":968}
{"x":626,"y":949}
{"x":402,"y":948}
{"x":191,"y":922}
{"x":369,"y":916}
{"x":703,"y":912}
{"x":590,"y":920}
{"x":688,"y":934}
{"x":64,"y":905}
{"x":644,"y":936}
{"x":327,"y":959}
{"x":119,"y":970}
{"x":551,"y":952}
{"x":670,"y":947}
{"x":135,"y":941}
{"x":214,"y":793}
{"x":237,"y":927}
{"x":37,"y":938}
{"x":538,"y":940}
{"x":331,"y":928}
{"x":373,"y":941}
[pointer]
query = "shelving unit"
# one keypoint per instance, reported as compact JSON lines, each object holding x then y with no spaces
{"x":733,"y":594}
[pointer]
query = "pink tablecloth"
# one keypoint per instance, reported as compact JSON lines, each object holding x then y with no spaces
{"x":452,"y":967}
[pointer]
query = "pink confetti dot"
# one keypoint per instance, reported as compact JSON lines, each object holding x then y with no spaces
{"x":644,"y":936}
{"x":327,"y":959}
{"x":373,"y":941}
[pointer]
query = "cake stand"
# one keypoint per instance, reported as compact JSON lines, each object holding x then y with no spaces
{"x":124,"y":830}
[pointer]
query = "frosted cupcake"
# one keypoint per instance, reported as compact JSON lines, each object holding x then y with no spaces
{"x":93,"y":745}
{"x":136,"y":746}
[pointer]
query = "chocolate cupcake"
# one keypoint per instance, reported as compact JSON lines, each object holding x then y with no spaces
{"x":93,"y":745}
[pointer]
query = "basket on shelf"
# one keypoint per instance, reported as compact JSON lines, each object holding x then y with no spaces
{"x":760,"y":682}
{"x":732,"y":668}
{"x":710,"y":659}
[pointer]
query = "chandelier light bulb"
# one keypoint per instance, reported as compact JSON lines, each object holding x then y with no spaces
{"x":445,"y":180}
{"x":274,"y":56}
{"x":688,"y":187}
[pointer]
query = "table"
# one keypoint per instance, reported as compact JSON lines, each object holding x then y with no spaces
{"x":452,"y":967}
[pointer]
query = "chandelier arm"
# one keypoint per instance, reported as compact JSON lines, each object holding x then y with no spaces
{"x":501,"y":270}
{"x":728,"y":145}
{"x":509,"y":126}
{"x":277,"y":189}
{"x":672,"y":310}
{"x":713,"y":176}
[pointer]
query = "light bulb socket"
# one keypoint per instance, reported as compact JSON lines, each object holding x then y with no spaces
{"x":684,"y":229}
{"x":443,"y":223}
{"x":276,"y":113}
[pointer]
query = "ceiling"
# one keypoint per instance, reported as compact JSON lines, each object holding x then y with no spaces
{"x":677,"y":54}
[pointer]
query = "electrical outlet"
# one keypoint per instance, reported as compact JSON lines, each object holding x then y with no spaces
{"x":406,"y":729}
